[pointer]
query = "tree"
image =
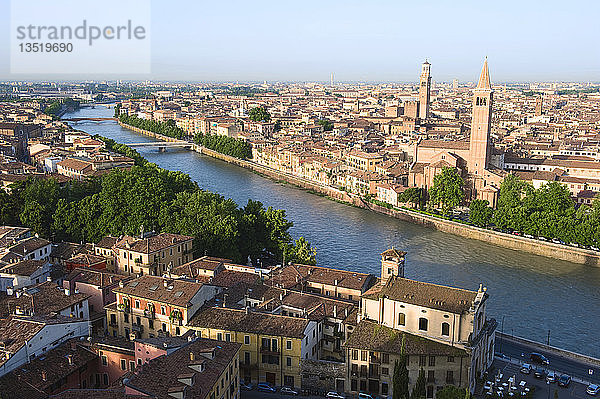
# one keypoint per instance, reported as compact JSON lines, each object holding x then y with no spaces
{"x":414,"y":195}
{"x":301,"y":252}
{"x":400,"y":379}
{"x":447,"y":190}
{"x":259,"y":114}
{"x":327,"y":124}
{"x":419,"y":391}
{"x":480,"y":212}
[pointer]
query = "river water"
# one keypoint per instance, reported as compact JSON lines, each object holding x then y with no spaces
{"x":529,"y":294}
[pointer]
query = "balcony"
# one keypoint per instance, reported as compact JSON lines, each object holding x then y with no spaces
{"x":268,"y":350}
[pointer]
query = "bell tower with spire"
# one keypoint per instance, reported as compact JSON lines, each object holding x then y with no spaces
{"x":480,"y":148}
{"x":424,"y":90}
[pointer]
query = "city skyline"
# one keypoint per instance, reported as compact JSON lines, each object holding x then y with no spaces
{"x":385,"y":43}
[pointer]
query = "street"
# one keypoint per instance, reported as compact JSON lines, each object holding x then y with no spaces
{"x":564,"y":365}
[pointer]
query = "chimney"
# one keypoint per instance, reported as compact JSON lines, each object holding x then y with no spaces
{"x":48,"y":278}
{"x":346,"y":312}
{"x":9,"y":291}
{"x":44,"y":377}
{"x":192,"y":357}
{"x":335,"y":311}
{"x":165,"y":283}
{"x":70,"y":359}
{"x":67,"y":292}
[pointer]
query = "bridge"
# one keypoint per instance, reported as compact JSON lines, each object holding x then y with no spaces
{"x":162,"y":145}
{"x":88,"y":119}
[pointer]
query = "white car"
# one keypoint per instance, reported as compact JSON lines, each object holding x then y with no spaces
{"x":593,"y":389}
{"x":334,"y":395}
{"x":526,"y":368}
{"x":288,"y":391}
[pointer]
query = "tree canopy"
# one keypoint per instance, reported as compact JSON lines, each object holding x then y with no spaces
{"x":480,"y":212}
{"x":447,"y":190}
{"x":225,"y":145}
{"x":259,"y":114}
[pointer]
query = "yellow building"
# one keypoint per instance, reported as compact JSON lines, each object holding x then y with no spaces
{"x":152,"y":255}
{"x":363,"y":160}
{"x":273,"y":346}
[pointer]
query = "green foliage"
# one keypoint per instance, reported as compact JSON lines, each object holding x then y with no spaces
{"x":414,"y":195}
{"x":400,"y":378}
{"x":420,"y":389}
{"x":121,"y":201}
{"x":547,"y":212}
{"x":259,"y":114}
{"x":452,"y":392}
{"x":168,"y":128}
{"x":53,"y":108}
{"x":447,"y":190}
{"x":480,"y":212}
{"x":327,"y":124}
{"x":225,"y":145}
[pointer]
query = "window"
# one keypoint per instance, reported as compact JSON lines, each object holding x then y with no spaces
{"x":363,"y":385}
{"x":353,"y":384}
{"x":384,"y":388}
{"x":163,"y":310}
{"x":385,"y":358}
{"x":354,"y":354}
{"x":449,"y":377}
{"x":288,"y":361}
{"x":177,"y":331}
{"x":266,"y":343}
{"x":385,"y":371}
{"x":246,"y":358}
{"x":105,"y":378}
{"x":151,"y":324}
{"x":363,"y":356}
{"x":131,"y":365}
{"x":423,"y":322}
{"x":401,"y":319}
{"x":446,"y":329}
{"x":123,"y":364}
{"x":422,"y":361}
{"x":431,"y":376}
{"x":431,"y":361}
{"x":126,"y":318}
{"x":228,"y":337}
{"x":137,"y":304}
{"x":246,"y":339}
{"x":288,"y":345}
{"x":430,"y":391}
{"x":274,"y":344}
{"x":450,"y":359}
{"x":219,"y":336}
{"x":104,"y":360}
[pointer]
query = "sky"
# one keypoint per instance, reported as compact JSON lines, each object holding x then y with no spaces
{"x":371,"y":41}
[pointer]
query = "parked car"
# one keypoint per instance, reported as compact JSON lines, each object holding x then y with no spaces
{"x":288,"y":391}
{"x":556,"y":241}
{"x":539,"y":372}
{"x":595,"y":248}
{"x":334,"y":395}
{"x":528,"y":236}
{"x":551,"y":377}
{"x":526,"y":368}
{"x":246,"y":387}
{"x":564,"y":380}
{"x":593,"y":389}
{"x":364,"y":396}
{"x":265,"y":387}
{"x":538,"y":358}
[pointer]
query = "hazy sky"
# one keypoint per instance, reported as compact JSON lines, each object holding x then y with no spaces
{"x":364,"y":40}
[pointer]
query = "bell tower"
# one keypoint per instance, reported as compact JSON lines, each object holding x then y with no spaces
{"x":480,"y":148}
{"x":424,"y":90}
{"x":392,"y":264}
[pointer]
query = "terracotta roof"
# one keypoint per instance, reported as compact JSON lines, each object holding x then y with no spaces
{"x":23,"y":268}
{"x":176,"y":292}
{"x":151,"y":244}
{"x":375,"y":337}
{"x":29,"y":245}
{"x":252,"y":322}
{"x":449,"y":299}
{"x":97,"y":278}
{"x":294,"y":274}
{"x":448,"y":145}
{"x":161,"y":376}
{"x":107,"y":242}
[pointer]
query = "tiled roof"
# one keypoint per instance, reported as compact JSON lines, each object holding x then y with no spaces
{"x":151,"y":244}
{"x":449,"y":299}
{"x":29,"y":245}
{"x":176,"y":292}
{"x":107,"y":242}
{"x":97,"y":278}
{"x":251,"y":322}
{"x":378,"y":338}
{"x":292,"y":275}
{"x":23,"y":268}
{"x":162,"y":375}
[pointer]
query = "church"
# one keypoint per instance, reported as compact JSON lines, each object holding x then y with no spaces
{"x":476,"y":159}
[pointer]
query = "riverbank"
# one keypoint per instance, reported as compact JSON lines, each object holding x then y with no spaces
{"x":547,"y":249}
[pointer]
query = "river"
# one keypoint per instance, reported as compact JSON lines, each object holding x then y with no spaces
{"x":529,"y":294}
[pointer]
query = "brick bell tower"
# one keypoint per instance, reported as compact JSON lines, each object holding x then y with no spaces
{"x":424,"y":90}
{"x":480,"y":148}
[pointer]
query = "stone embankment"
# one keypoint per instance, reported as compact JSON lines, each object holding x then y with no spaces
{"x":537,"y":247}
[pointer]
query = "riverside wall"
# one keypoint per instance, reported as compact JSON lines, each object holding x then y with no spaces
{"x":537,"y":247}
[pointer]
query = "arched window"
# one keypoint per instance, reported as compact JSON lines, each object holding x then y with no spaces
{"x":446,"y":329}
{"x":423,"y":324}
